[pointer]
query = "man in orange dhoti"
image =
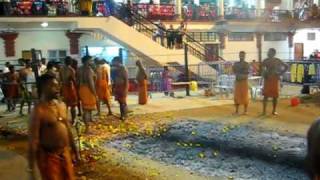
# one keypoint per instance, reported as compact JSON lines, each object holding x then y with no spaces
{"x":87,"y":90}
{"x":102,"y":85}
{"x":121,"y":86}
{"x":272,"y":69}
{"x":142,"y":80}
{"x":241,"y":95}
{"x":68,"y":88}
{"x":51,"y":142}
{"x":12,"y":87}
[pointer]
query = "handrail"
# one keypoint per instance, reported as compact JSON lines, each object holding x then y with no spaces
{"x":194,"y":50}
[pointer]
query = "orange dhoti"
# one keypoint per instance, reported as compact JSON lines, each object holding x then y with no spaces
{"x":87,"y":98}
{"x":103,"y":90}
{"x":271,"y":86}
{"x":12,"y":91}
{"x":143,"y":92}
{"x":69,"y":95}
{"x":121,"y":93}
{"x":241,"y":94}
{"x":55,"y":166}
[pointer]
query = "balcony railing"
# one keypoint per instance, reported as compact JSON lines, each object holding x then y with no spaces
{"x":159,"y":11}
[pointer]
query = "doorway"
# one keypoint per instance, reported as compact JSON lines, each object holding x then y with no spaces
{"x":298,"y":51}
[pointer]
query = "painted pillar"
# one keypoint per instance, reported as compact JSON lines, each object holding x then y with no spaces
{"x":178,"y":9}
{"x":287,"y":5}
{"x":74,"y":42}
{"x":221,"y":8}
{"x":258,"y":7}
{"x":259,"y":47}
{"x":9,"y":43}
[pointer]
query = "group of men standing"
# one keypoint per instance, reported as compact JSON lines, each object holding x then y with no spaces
{"x":18,"y":85}
{"x":51,"y":144}
{"x":90,"y":84}
{"x":271,"y":70}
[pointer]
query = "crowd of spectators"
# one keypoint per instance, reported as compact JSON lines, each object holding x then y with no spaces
{"x":55,"y":8}
{"x":34,"y":7}
{"x":207,"y":11}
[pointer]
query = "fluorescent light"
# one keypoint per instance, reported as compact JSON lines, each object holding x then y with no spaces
{"x":44,"y":24}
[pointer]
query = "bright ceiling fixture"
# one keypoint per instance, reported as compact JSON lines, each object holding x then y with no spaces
{"x":44,"y":24}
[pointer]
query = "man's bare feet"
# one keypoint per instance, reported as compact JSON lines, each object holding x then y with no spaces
{"x":110,"y":114}
{"x":245,"y":113}
{"x":275,"y":113}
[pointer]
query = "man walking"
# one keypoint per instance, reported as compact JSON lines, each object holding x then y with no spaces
{"x":87,"y":90}
{"x":68,"y":89}
{"x":50,"y":139}
{"x":121,"y":86}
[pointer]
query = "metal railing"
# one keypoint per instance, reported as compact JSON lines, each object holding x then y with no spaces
{"x":202,"y":36}
{"x":149,"y":28}
{"x":160,"y":11}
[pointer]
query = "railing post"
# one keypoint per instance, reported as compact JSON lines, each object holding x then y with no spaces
{"x":87,"y":50}
{"x":186,"y":67}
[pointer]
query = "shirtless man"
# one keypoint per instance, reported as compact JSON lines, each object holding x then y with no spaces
{"x":51,"y":141}
{"x":28,"y":89}
{"x":272,"y":69}
{"x":121,"y":86}
{"x":12,"y":85}
{"x":75,"y":68}
{"x":87,"y":90}
{"x":68,"y":89}
{"x":142,"y":80}
{"x":241,"y":95}
{"x":102,"y":85}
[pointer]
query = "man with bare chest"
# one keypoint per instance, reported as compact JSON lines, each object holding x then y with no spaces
{"x":50,"y":138}
{"x":28,"y":89}
{"x":68,"y":89}
{"x":272,"y":69}
{"x":120,"y":86}
{"x":241,"y":87}
{"x":87,"y":90}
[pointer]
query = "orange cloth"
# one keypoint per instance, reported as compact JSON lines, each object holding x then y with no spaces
{"x":12,"y":90}
{"x":69,"y":94}
{"x":103,"y":90}
{"x":241,"y":94}
{"x":120,"y":93}
{"x":271,"y":86}
{"x":55,"y":166}
{"x":143,"y":91}
{"x":88,"y":100}
{"x":102,"y":84}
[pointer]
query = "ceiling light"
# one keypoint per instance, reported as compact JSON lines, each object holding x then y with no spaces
{"x":44,"y":24}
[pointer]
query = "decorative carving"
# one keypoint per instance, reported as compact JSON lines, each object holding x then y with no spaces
{"x":9,"y":43}
{"x":74,"y":42}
